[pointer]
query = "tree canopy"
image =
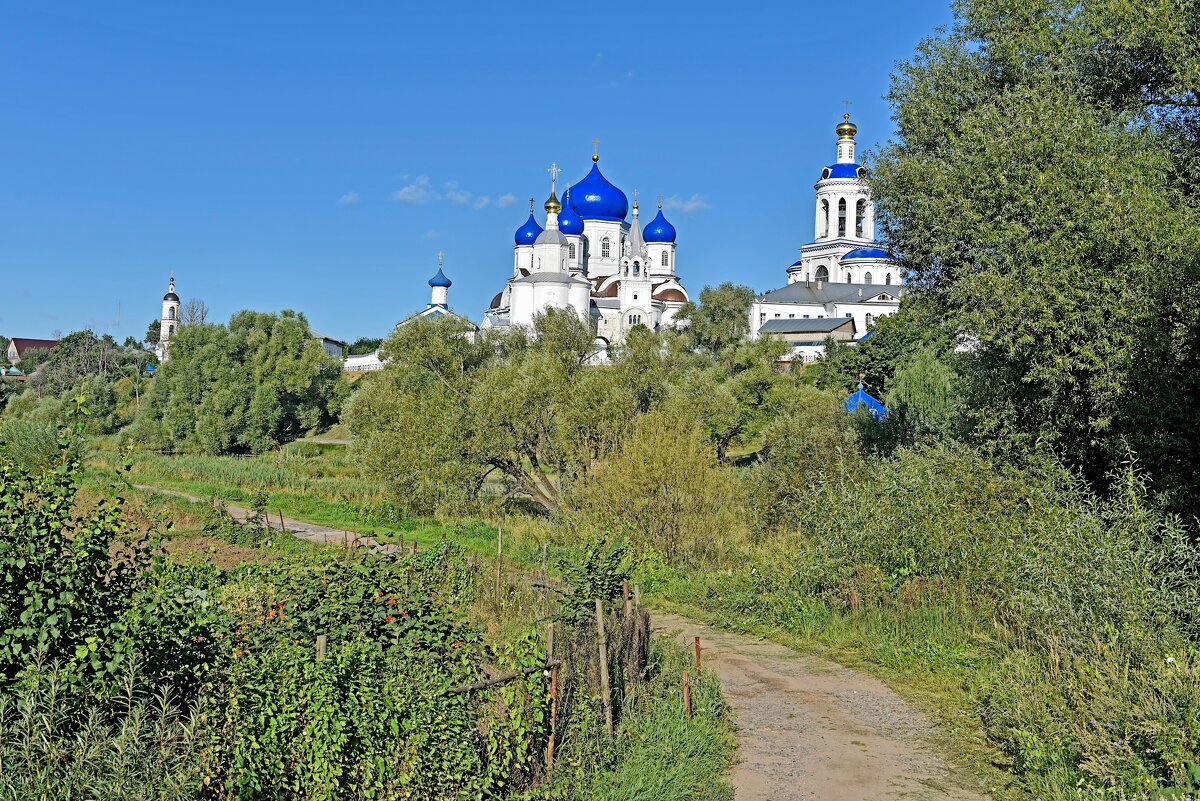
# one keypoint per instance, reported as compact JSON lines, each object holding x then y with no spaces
{"x":1041,"y":193}
{"x":247,"y":387}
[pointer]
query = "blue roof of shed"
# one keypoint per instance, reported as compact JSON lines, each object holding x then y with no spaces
{"x":862,"y":398}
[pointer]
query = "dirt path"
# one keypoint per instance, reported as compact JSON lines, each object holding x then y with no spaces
{"x":812,"y":729}
{"x":322,"y":535}
{"x":809,"y":729}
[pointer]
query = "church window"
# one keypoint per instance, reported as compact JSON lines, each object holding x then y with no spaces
{"x":867,"y":278}
{"x":637,"y":268}
{"x":849,"y":314}
{"x":171,"y":313}
{"x":170,"y":330}
{"x":869,"y":321}
{"x":806,"y":317}
{"x":791,"y":316}
{"x":762,"y":318}
{"x":571,"y":252}
{"x":635,"y":296}
{"x":665,"y":262}
{"x":842,"y":217}
{"x":635,"y":319}
{"x":822,"y":273}
{"x":824,"y":218}
{"x":860,"y":217}
{"x":848,"y":277}
{"x":887,"y":279}
{"x":776,"y":315}
{"x":605,"y":248}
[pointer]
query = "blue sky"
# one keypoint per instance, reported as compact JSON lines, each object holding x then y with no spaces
{"x":318,"y":156}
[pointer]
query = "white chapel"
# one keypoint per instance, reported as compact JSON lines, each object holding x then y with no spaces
{"x":844,"y":281}
{"x":588,"y":257}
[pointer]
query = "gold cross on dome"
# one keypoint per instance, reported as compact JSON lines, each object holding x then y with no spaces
{"x":554,"y":171}
{"x":847,"y":102}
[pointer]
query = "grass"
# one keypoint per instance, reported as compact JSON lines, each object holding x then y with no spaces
{"x":661,"y":754}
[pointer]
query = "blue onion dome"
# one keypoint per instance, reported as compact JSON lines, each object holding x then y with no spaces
{"x":440,"y":279}
{"x":844,"y":171}
{"x":796,"y":263}
{"x":865,"y":253}
{"x":594,"y":198}
{"x":658,"y":229}
{"x":528,"y":233}
{"x":569,"y":222}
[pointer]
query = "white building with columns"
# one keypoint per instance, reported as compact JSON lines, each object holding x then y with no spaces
{"x":589,"y":258}
{"x":168,"y":324}
{"x":843,"y":274}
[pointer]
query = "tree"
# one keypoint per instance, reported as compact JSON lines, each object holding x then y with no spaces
{"x":1041,"y":192}
{"x":154,"y":332}
{"x":363,"y":345}
{"x":193,"y":312}
{"x":253,"y":385}
{"x":720,"y":320}
{"x":4,"y":348}
{"x":450,"y":411}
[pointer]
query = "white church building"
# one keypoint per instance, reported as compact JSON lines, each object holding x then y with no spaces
{"x":589,"y":258}
{"x":168,"y":324}
{"x":439,"y":306}
{"x":844,"y":281}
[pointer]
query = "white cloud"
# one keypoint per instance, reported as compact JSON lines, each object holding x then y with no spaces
{"x":456,"y":194}
{"x":348,"y":199}
{"x":693,"y":203}
{"x":419,"y":191}
{"x":431,"y":234}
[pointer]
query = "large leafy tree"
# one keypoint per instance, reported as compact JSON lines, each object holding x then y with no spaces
{"x":720,"y":320}
{"x":1041,"y":193}
{"x":252,"y":385}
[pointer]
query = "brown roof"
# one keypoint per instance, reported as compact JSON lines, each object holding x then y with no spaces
{"x":671,"y":295}
{"x":22,"y":344}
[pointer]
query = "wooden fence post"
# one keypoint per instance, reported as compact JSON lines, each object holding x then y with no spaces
{"x":697,"y":657}
{"x":499,"y":560}
{"x":605,"y":689}
{"x":687,"y":696}
{"x":553,"y":717}
{"x":282,"y":527}
{"x":322,"y":642}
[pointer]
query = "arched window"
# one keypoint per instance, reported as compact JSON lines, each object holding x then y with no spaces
{"x":171,"y":313}
{"x":860,"y":218}
{"x":605,"y":248}
{"x":824,"y":218}
{"x":869,"y":320}
{"x":822,"y":273}
{"x":842,"y":217}
{"x":849,"y":278}
{"x":665,"y":261}
{"x":637,"y":268}
{"x":635,"y":319}
{"x":571,"y":251}
{"x":867,"y":278}
{"x":170,"y":330}
{"x":887,"y":279}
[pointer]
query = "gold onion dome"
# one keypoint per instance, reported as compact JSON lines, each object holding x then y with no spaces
{"x":846,"y":129}
{"x":552,"y":204}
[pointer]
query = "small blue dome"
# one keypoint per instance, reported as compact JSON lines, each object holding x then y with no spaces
{"x":659,"y":230}
{"x":865,"y":253}
{"x":594,"y":198}
{"x":528,"y":233}
{"x":568,"y":221}
{"x":440,"y":279}
{"x":796,"y":263}
{"x":862,"y":398}
{"x":842,"y":171}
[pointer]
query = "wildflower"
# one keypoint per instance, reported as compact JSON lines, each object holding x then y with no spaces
{"x":1170,"y":660}
{"x":389,"y":619}
{"x":1092,"y":725}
